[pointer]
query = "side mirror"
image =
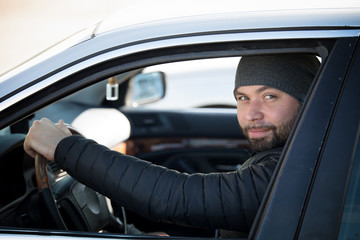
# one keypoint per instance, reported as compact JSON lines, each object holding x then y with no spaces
{"x":145,"y":88}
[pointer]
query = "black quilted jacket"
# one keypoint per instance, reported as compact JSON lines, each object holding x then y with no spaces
{"x":217,"y":200}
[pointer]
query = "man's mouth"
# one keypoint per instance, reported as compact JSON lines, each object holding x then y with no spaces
{"x":258,"y":132}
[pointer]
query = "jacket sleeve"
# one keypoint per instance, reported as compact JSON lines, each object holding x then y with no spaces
{"x":217,"y":200}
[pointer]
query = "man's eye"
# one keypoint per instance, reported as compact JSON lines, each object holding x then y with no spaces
{"x":269,"y":96}
{"x":242,"y":98}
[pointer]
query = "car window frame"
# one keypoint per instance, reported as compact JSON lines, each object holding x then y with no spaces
{"x":89,"y":76}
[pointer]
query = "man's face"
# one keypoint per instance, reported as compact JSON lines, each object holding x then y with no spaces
{"x":266,"y":115}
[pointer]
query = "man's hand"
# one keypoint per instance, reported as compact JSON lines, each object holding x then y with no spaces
{"x":44,"y":136}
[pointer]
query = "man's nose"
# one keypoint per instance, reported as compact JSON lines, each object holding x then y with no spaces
{"x":254,"y":111}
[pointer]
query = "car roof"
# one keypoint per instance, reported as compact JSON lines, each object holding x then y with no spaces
{"x":318,"y":13}
{"x":209,"y":16}
{"x":146,"y":19}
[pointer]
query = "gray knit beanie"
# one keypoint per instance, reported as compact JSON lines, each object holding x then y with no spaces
{"x":290,"y":73}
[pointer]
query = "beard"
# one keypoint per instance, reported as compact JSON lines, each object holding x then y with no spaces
{"x":278,"y":137}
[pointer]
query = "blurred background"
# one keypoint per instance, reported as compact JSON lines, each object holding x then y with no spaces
{"x":30,"y":26}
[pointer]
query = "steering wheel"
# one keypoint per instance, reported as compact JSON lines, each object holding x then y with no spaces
{"x":47,"y":201}
{"x":96,"y":202}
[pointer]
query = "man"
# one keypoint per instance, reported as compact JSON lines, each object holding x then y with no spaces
{"x":269,"y":90}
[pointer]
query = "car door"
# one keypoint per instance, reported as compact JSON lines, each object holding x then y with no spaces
{"x":309,"y":190}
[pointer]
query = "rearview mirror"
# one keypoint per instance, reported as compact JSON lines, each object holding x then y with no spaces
{"x":145,"y":88}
